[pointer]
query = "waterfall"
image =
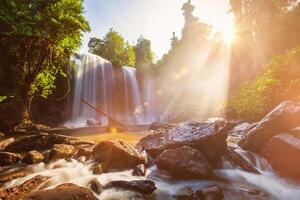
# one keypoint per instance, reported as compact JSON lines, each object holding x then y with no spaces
{"x":114,"y":90}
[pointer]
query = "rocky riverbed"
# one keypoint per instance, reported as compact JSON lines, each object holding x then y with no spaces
{"x":189,"y":160}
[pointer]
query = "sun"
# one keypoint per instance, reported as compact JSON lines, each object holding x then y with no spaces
{"x":226,"y":32}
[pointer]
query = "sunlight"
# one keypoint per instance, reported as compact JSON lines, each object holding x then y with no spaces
{"x":226,"y":31}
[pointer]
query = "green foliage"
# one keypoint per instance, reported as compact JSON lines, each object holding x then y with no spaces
{"x":37,"y":40}
{"x":113,"y":48}
{"x":143,"y":53}
{"x":280,"y":81}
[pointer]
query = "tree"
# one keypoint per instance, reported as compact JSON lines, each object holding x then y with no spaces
{"x":37,"y":39}
{"x":113,"y":48}
{"x":143,"y":53}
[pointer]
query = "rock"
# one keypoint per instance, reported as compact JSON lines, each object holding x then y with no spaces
{"x":87,"y":153}
{"x":33,"y":157}
{"x":208,"y":138}
{"x":241,"y":129}
{"x":7,"y":158}
{"x":61,"y":151}
{"x":157,"y":125}
{"x":44,"y":141}
{"x":67,"y":191}
{"x":5,"y":143}
{"x":184,"y":162}
{"x":145,"y":187}
{"x":11,"y":175}
{"x":185,"y":194}
{"x":96,"y":186}
{"x":97,"y":169}
{"x":18,"y":192}
{"x":117,"y":154}
{"x":283,"y":153}
{"x":1,"y":134}
{"x":210,"y":193}
{"x":239,"y":161}
{"x":139,"y":170}
{"x":92,"y":122}
{"x":281,"y":119}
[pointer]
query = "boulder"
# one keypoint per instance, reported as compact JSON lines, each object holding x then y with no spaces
{"x":61,"y":151}
{"x":184,"y":162}
{"x":139,"y":170}
{"x":67,"y":191}
{"x":96,"y":186}
{"x":44,"y":141}
{"x":283,"y":118}
{"x":145,"y":187}
{"x":283,"y":153}
{"x":116,"y":154}
{"x":5,"y":143}
{"x":33,"y":157}
{"x":18,"y":192}
{"x":208,"y":138}
{"x":7,"y":158}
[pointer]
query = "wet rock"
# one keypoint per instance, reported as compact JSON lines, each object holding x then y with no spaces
{"x":185,"y":194}
{"x":241,"y":129}
{"x":7,"y":158}
{"x":96,"y":186}
{"x":238,"y":160}
{"x":33,"y":157}
{"x":184,"y":162}
{"x":5,"y":177}
{"x":97,"y":169}
{"x":208,"y":138}
{"x":115,"y":154}
{"x":283,"y":153}
{"x":67,"y":191}
{"x":61,"y":151}
{"x":5,"y":143}
{"x":145,"y":187}
{"x":44,"y":141}
{"x":87,"y":153}
{"x":210,"y":193}
{"x":139,"y":170}
{"x":281,"y":119}
{"x":157,"y":125}
{"x":18,"y":192}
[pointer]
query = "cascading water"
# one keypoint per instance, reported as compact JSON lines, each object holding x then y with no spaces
{"x":114,"y":90}
{"x":237,"y":184}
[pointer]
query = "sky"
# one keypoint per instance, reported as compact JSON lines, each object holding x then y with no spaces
{"x":154,"y":19}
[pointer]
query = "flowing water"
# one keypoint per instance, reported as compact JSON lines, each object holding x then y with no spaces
{"x":116,"y":91}
{"x":237,"y":184}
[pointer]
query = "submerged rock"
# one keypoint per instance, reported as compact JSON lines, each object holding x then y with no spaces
{"x":208,"y":138}
{"x":96,"y":186}
{"x":61,"y":151}
{"x":115,"y":154}
{"x":145,"y":187}
{"x":33,"y":157}
{"x":184,"y":162}
{"x":18,"y":192}
{"x":283,"y":153}
{"x":67,"y":191}
{"x":44,"y":141}
{"x":8,"y":158}
{"x":284,"y":117}
{"x":97,"y":169}
{"x":11,"y":175}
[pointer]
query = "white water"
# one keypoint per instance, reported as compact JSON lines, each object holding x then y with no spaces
{"x":115,"y":91}
{"x":237,"y":184}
